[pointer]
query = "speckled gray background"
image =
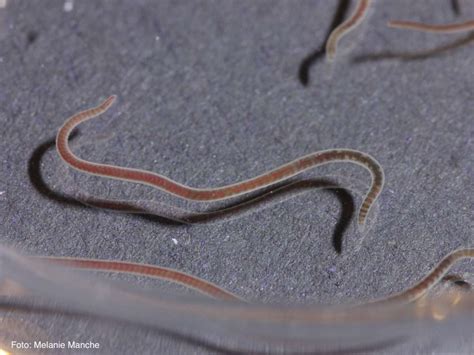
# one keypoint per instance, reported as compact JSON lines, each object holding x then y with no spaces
{"x":212,"y":92}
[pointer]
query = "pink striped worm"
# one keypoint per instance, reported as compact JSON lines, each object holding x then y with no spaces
{"x":158,"y":272}
{"x":430,"y":280}
{"x":347,"y":26}
{"x":212,"y":290}
{"x":220,"y":193}
{"x":418,"y":26}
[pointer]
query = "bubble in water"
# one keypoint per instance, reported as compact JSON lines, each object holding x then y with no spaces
{"x":68,"y":5}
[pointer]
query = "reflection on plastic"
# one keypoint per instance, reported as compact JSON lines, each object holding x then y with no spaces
{"x":235,"y":325}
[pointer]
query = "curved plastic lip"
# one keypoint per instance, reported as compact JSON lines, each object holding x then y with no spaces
{"x":235,"y":325}
{"x":25,"y":271}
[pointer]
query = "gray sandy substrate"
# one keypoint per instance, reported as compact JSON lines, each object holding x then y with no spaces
{"x":213,"y":92}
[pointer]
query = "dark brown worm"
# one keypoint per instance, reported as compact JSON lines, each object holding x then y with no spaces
{"x":347,"y":26}
{"x":220,"y":193}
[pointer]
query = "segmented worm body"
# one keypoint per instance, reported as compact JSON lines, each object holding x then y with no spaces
{"x":159,"y":272}
{"x":430,"y":280}
{"x":210,"y":289}
{"x":288,"y":170}
{"x":347,"y":26}
{"x":220,"y":193}
{"x":424,"y":27}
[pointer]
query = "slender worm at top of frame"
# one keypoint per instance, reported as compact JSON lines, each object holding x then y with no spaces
{"x":347,"y":26}
{"x":220,"y":193}
{"x":424,"y":27}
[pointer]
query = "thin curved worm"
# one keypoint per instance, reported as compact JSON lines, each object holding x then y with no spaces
{"x":347,"y":26}
{"x":158,"y":272}
{"x":418,"y":26}
{"x":210,"y":289}
{"x":220,"y":193}
{"x":430,"y":280}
